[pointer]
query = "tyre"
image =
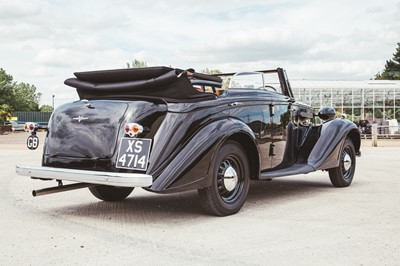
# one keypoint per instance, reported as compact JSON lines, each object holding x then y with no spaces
{"x":342,"y":176}
{"x":108,"y":193}
{"x":230,"y":181}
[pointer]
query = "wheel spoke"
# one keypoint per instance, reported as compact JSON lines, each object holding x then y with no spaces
{"x":229,"y":169}
{"x":342,"y":176}
{"x":347,"y":163}
{"x":230,"y":185}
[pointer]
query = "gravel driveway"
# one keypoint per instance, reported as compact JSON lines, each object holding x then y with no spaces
{"x":301,"y":220}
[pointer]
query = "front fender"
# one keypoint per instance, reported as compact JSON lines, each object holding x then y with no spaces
{"x":326,"y":152}
{"x":189,"y":169}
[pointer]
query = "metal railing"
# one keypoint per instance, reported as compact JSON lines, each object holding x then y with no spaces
{"x":375,"y":135}
{"x":37,"y":117}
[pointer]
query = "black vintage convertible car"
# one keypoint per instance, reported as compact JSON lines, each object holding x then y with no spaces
{"x":170,"y":130}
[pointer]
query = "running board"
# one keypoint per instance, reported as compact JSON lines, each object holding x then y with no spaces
{"x":292,"y":170}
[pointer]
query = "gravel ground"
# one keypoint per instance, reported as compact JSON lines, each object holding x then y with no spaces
{"x":299,"y":220}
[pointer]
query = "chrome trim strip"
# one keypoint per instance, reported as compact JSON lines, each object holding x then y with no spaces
{"x":86,"y":176}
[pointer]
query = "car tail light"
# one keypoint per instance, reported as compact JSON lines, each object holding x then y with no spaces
{"x":133,"y":129}
{"x":30,"y":127}
{"x":126,"y":129}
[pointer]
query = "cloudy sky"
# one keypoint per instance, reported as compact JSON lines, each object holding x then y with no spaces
{"x":44,"y":41}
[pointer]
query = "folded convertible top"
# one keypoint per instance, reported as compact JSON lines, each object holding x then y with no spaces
{"x":170,"y":84}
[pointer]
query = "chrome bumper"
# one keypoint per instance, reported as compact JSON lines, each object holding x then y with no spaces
{"x":85,"y":176}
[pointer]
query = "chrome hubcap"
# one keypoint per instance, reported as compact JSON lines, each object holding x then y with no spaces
{"x":346,"y":162}
{"x":230,"y":178}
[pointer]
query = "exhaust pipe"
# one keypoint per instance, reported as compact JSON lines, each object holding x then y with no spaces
{"x":60,"y":188}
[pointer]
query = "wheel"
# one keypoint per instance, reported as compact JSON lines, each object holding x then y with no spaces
{"x":342,"y":176}
{"x":108,"y":193}
{"x":230,"y":181}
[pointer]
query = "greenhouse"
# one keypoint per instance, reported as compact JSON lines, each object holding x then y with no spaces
{"x":372,"y":100}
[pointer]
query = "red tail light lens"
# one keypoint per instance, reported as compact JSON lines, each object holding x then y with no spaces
{"x":133,"y":129}
{"x":30,"y":127}
{"x":126,"y":129}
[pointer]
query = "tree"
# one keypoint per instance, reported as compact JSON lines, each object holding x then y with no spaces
{"x":25,"y":97}
{"x":6,"y":87}
{"x":392,"y":67}
{"x":46,"y":108}
{"x":211,"y":71}
{"x":136,"y":64}
{"x":5,"y":112}
{"x":18,"y":96}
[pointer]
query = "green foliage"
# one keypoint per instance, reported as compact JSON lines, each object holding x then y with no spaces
{"x":18,"y":96}
{"x":136,"y":64}
{"x":354,"y":117}
{"x":6,"y":87}
{"x":46,"y":108}
{"x":211,"y":71}
{"x":25,"y":97}
{"x":392,"y":67}
{"x":5,"y":112}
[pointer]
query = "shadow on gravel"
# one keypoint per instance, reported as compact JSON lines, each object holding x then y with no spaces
{"x":157,"y":208}
{"x":282,"y":189}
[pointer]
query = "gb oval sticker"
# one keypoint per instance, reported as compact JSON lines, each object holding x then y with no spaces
{"x":32,"y":142}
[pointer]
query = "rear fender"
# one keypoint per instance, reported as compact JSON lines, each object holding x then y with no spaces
{"x":326,"y":152}
{"x":190,"y":168}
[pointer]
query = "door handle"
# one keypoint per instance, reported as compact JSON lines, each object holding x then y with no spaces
{"x":235,"y":103}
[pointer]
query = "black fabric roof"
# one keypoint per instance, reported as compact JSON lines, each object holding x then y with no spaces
{"x":167,"y":83}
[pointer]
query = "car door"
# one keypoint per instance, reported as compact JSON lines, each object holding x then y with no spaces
{"x":280,"y":117}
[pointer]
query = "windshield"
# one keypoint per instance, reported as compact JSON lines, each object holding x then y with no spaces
{"x":247,"y":80}
{"x":256,"y":80}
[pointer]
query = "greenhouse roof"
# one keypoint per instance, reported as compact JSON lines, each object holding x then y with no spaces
{"x":340,"y":84}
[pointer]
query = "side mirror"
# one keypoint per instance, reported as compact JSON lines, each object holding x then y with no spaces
{"x":327,"y":113}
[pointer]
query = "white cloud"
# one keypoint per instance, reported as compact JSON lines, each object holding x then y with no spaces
{"x":44,"y":42}
{"x":57,"y":57}
{"x":15,"y":10}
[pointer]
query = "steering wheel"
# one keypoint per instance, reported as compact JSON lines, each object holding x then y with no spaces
{"x":268,"y":86}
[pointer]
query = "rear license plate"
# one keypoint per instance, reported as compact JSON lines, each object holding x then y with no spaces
{"x":133,"y":154}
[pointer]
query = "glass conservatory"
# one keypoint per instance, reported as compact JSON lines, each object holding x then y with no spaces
{"x":360,"y":100}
